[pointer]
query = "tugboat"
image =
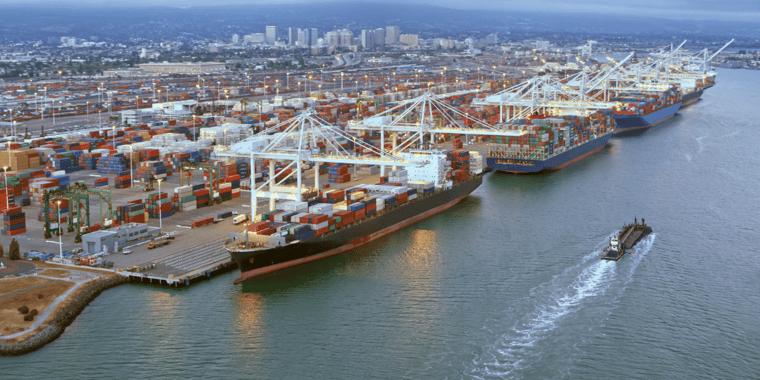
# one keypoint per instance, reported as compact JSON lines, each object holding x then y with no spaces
{"x":628,"y":236}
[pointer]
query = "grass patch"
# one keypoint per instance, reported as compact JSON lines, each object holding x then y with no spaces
{"x":10,"y":285}
{"x":11,"y":321}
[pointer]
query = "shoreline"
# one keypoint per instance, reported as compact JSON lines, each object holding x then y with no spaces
{"x":62,"y":318}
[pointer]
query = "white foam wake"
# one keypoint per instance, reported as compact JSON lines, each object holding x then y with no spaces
{"x":564,"y":295}
{"x":512,"y":351}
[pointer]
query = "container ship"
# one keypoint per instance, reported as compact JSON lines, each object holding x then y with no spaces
{"x":551,"y":142}
{"x":340,"y":220}
{"x":636,"y":111}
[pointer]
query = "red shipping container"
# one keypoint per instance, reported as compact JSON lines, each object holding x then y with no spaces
{"x":14,"y":221}
{"x":16,"y":232}
{"x":256,"y":227}
{"x":305,"y":219}
{"x":359,"y":215}
{"x":321,"y":218}
{"x":267,"y":231}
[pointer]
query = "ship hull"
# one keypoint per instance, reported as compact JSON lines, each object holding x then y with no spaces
{"x":256,"y":262}
{"x":691,"y":97}
{"x":629,"y":124}
{"x":554,"y":163}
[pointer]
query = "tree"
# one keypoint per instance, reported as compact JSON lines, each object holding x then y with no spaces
{"x":13,"y":250}
{"x":2,"y":251}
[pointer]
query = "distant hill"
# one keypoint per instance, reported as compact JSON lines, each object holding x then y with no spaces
{"x":25,"y":23}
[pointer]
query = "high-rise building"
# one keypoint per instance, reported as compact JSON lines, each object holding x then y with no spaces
{"x":345,"y":37}
{"x":379,"y":34}
{"x":292,"y":36}
{"x":492,"y":39}
{"x":303,"y":37}
{"x":235,"y":39}
{"x":271,"y":35}
{"x":367,"y":39}
{"x":314,"y":36}
{"x":332,"y":38}
{"x":409,"y":39}
{"x":392,"y":34}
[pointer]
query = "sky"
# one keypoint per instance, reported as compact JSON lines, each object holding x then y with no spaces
{"x":725,"y":10}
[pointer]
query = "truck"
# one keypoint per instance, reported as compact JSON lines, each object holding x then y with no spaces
{"x":239,"y":219}
{"x":155,"y":243}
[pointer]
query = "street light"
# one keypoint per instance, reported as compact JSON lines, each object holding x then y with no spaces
{"x":60,"y":233}
{"x":7,"y":196}
{"x":88,"y":113}
{"x":160,"y":220}
{"x":131,"y":178}
{"x":341,"y":81}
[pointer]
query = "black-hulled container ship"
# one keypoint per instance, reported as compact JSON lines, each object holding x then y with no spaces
{"x":340,"y":220}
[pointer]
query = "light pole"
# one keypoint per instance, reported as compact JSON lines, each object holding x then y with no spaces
{"x":7,"y":197}
{"x":160,"y":219}
{"x":218,"y":93}
{"x":131,"y":154}
{"x":341,"y":81}
{"x":100,"y":101}
{"x":287,"y":80}
{"x":60,"y":233}
{"x":53,"y":110}
{"x":298,"y":89}
{"x":114,"y":137}
{"x":88,"y":113}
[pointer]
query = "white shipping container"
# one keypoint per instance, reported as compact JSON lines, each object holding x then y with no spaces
{"x":320,"y":226}
{"x":297,"y":217}
{"x":321,"y":208}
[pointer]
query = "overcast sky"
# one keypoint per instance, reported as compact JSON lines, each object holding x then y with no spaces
{"x":727,"y":10}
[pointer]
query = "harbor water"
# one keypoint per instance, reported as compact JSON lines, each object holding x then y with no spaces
{"x":507,"y":284}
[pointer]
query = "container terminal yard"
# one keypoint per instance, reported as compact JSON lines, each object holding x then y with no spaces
{"x":153,"y":182}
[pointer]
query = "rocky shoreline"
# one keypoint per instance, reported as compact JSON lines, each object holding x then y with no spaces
{"x":57,"y":324}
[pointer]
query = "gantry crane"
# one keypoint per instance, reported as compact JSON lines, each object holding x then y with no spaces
{"x":78,"y":196}
{"x":214,"y":173}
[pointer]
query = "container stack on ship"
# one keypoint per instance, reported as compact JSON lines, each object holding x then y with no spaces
{"x":303,"y":225}
{"x":557,"y":127}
